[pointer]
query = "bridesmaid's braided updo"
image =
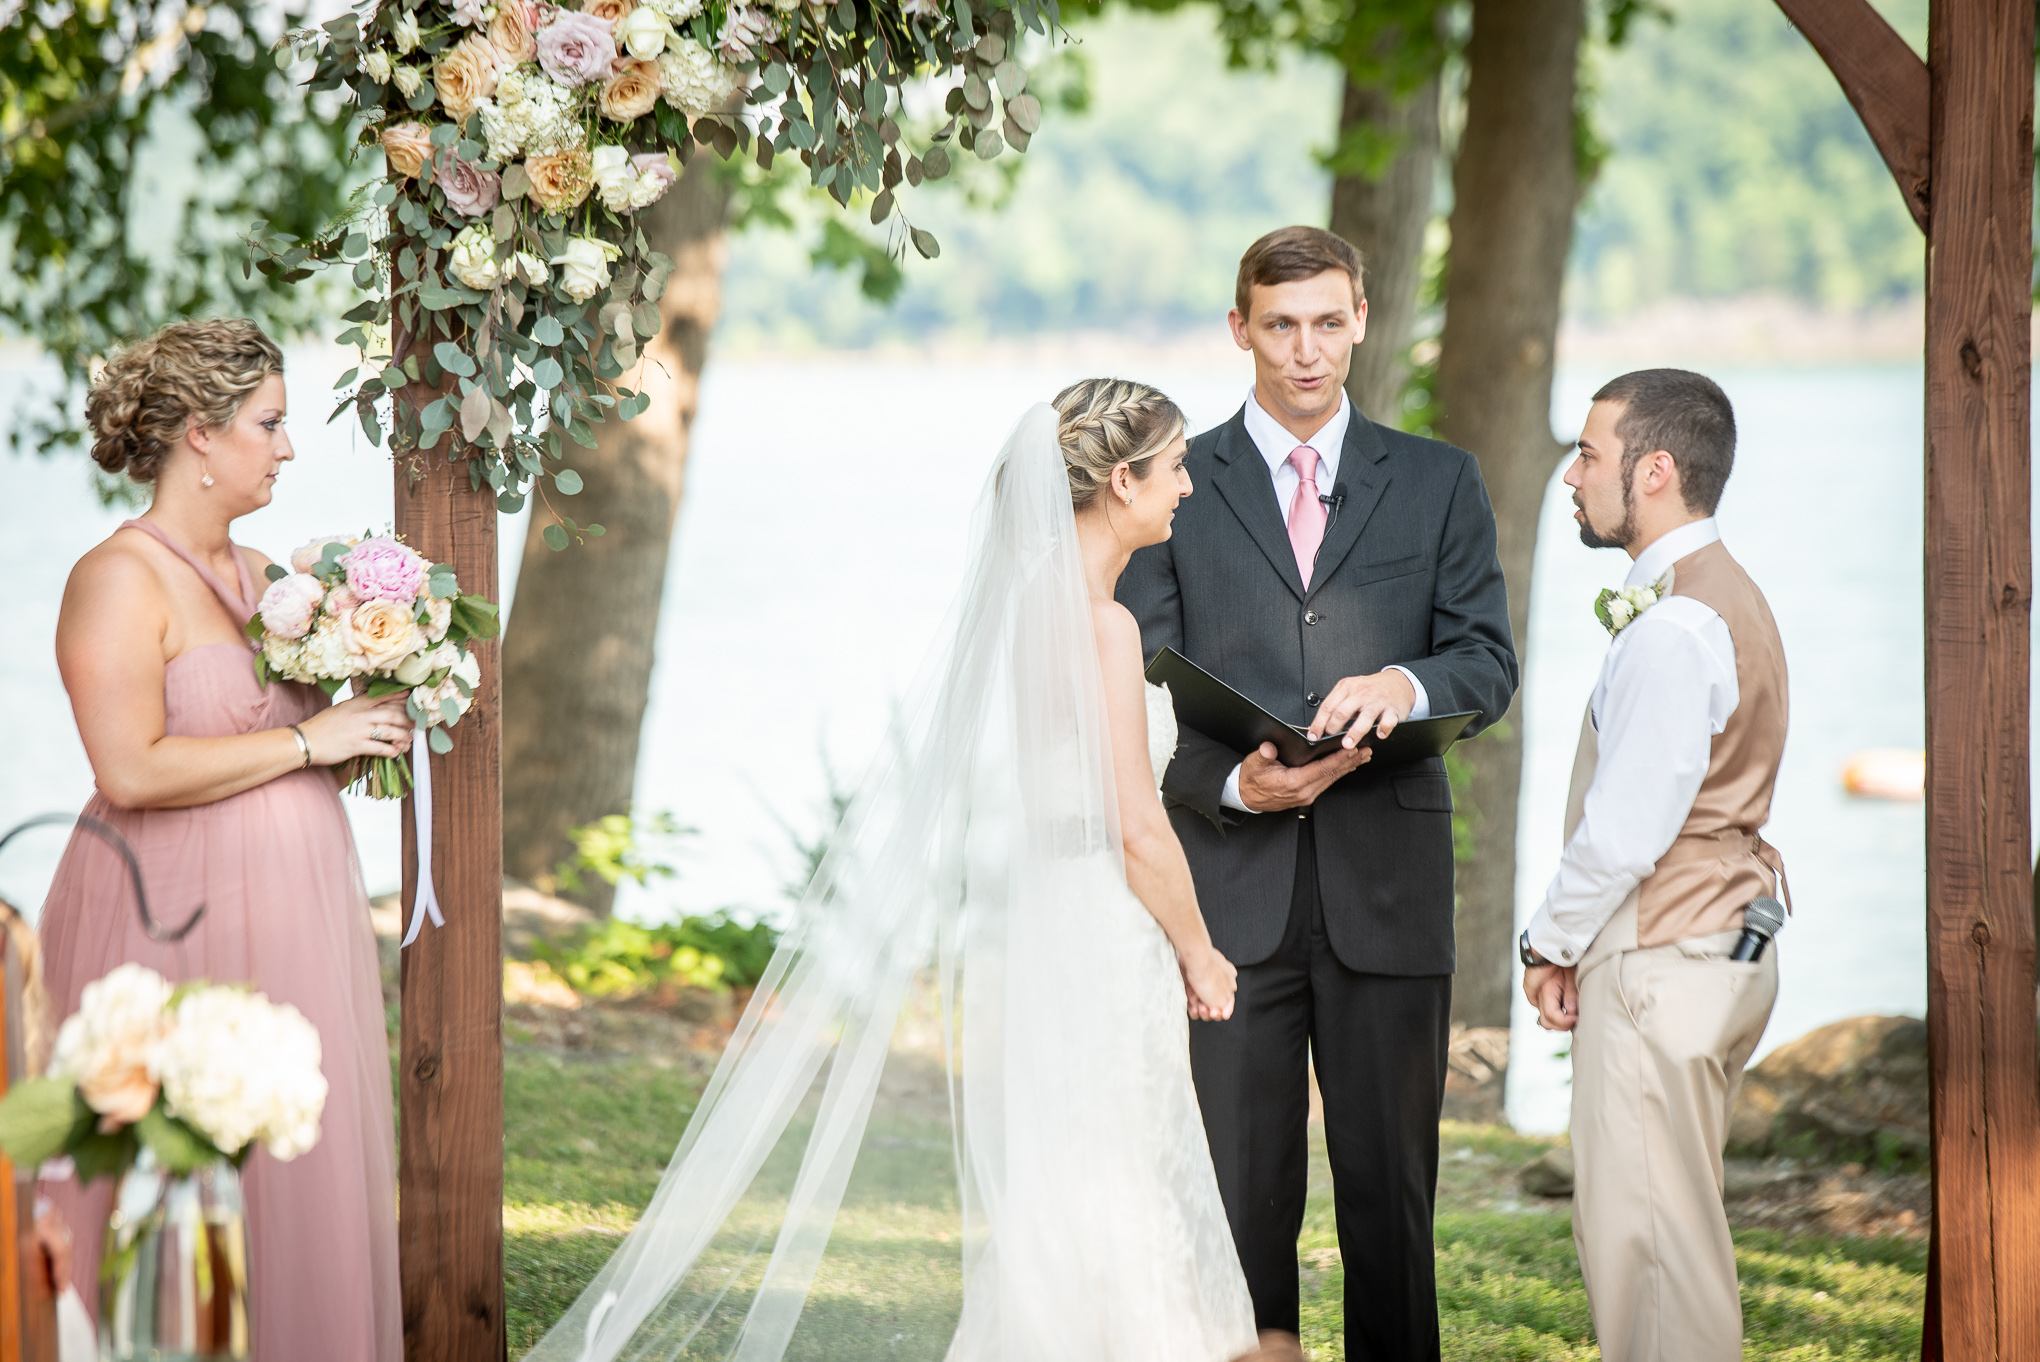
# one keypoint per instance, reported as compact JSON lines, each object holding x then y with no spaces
{"x":1107,"y":422}
{"x":148,"y":393}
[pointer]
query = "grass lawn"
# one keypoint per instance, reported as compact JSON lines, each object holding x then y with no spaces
{"x":587,"y":1137}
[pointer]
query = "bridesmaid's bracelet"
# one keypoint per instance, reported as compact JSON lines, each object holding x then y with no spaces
{"x":302,"y":745}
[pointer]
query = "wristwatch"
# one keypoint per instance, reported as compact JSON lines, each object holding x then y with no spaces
{"x":1528,"y":953}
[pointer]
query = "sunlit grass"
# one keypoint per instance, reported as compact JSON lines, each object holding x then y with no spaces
{"x":588,"y":1138}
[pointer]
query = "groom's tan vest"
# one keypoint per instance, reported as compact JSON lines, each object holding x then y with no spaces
{"x":1718,"y":863}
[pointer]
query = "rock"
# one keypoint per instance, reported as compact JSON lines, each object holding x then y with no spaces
{"x":1476,"y":1067}
{"x":1852,"y":1091}
{"x":1551,"y":1174}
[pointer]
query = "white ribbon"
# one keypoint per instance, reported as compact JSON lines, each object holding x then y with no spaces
{"x":426,"y":901}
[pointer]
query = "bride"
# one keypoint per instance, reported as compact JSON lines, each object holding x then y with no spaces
{"x":956,"y":1120}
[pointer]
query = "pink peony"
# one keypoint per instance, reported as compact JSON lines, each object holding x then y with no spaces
{"x":470,"y":190}
{"x":381,"y":569}
{"x":576,"y":49}
{"x":341,"y":600}
{"x":468,"y":12}
{"x":306,"y":557}
{"x":289,"y":604}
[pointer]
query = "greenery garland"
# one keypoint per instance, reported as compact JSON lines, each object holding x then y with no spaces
{"x":511,"y":287}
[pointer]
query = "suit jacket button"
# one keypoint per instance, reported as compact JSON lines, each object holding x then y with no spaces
{"x":1311,"y":698}
{"x":1310,"y":617}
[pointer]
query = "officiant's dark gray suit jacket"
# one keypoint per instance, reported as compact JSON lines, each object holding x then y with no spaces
{"x":1407,"y":575}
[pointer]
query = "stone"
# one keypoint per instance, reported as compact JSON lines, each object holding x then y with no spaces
{"x":1476,"y":1073}
{"x":1851,"y":1091}
{"x":1550,"y":1174}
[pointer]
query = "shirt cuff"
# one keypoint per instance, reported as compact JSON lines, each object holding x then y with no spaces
{"x":1422,"y":708}
{"x":1552,"y":944}
{"x":1231,"y":798}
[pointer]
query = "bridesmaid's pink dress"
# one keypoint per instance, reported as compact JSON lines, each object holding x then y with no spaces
{"x":285,"y":910}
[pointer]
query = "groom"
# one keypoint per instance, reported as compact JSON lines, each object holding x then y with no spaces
{"x":1338,"y":572}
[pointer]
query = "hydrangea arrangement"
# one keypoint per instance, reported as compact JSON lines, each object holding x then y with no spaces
{"x":194,"y":1073}
{"x":372,"y":612}
{"x":508,"y":273}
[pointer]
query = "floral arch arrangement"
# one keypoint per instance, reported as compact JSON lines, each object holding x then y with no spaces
{"x":508,"y":277}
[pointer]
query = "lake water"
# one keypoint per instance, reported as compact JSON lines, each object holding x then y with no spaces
{"x":823,"y":532}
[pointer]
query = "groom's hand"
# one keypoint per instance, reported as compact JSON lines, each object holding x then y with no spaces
{"x":1554,"y":991}
{"x":1267,"y":785}
{"x":1379,"y":701}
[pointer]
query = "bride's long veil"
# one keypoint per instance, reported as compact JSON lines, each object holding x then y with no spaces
{"x":846,"y":1171}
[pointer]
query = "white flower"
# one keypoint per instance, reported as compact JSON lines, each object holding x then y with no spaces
{"x":411,"y":670}
{"x":679,"y":11}
{"x":286,"y":657}
{"x":105,"y":1047}
{"x":531,"y":116}
{"x":326,"y":654}
{"x":306,"y":556}
{"x":532,"y":270}
{"x":645,"y":33}
{"x":692,"y":80}
{"x":1616,"y":609}
{"x":376,"y":65}
{"x":449,"y":656}
{"x":408,"y":79}
{"x":439,"y":612}
{"x":747,"y":29}
{"x":921,"y":9}
{"x":468,"y":670}
{"x":406,"y":33}
{"x":474,"y":260}
{"x":614,"y":176}
{"x":1620,"y":611}
{"x":239,"y":1068}
{"x":584,"y":267}
{"x":469,"y":12}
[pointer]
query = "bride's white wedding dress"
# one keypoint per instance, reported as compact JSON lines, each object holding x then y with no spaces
{"x":956,"y":1121}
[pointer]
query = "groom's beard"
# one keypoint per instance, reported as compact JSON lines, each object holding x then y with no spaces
{"x":1621,"y":537}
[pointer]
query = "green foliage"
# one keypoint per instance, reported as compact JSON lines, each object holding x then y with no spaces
{"x":618,"y":959}
{"x":1736,"y":167}
{"x":100,"y":105}
{"x":613,"y":848}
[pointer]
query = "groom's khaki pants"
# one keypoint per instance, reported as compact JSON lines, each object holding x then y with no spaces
{"x":1657,"y":1057}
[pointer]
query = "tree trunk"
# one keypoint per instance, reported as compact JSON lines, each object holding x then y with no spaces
{"x":1515,"y":186}
{"x":575,"y":677}
{"x":1385,"y":219}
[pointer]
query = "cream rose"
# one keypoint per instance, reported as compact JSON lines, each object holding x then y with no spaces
{"x":407,"y":145}
{"x":631,"y":92}
{"x":512,"y":33}
{"x":559,"y":183}
{"x":376,"y":65}
{"x":474,"y":261}
{"x":405,"y":33}
{"x":383,"y":633}
{"x":407,"y":79}
{"x":609,"y":11}
{"x":584,"y":267}
{"x":645,"y":33}
{"x":465,"y":76}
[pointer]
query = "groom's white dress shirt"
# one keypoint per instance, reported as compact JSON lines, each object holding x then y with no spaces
{"x":1275,"y":445}
{"x":1667,"y":687}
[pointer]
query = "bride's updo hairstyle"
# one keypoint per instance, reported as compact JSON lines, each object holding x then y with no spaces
{"x":148,"y":393}
{"x":1107,"y":422}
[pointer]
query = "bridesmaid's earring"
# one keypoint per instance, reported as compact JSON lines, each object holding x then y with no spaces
{"x":205,"y":476}
{"x":1129,"y":498}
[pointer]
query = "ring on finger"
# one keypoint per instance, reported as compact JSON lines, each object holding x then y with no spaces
{"x":375,"y":734}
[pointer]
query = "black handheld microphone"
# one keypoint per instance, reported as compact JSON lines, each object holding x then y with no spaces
{"x":1761,"y":921}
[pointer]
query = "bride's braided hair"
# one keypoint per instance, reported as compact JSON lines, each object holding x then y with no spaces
{"x":143,"y":399}
{"x":1107,"y":422}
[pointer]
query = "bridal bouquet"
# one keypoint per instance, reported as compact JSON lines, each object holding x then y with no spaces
{"x":194,"y":1074}
{"x":372,"y":612}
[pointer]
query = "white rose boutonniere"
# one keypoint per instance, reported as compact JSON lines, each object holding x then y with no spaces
{"x":1618,"y":609}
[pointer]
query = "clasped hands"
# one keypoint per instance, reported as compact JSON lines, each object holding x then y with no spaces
{"x":1554,"y":990}
{"x":1379,"y":701}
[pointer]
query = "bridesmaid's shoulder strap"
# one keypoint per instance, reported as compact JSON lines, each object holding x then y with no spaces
{"x":241,"y":604}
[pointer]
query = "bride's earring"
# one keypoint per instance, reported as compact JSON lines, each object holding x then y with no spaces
{"x":204,"y":475}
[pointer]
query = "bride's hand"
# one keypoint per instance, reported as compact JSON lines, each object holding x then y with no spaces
{"x":1210,"y":980}
{"x":361,"y":727}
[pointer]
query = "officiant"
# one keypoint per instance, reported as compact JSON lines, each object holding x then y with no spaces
{"x":1338,"y":572}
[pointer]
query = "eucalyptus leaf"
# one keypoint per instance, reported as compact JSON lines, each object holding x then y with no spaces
{"x":568,"y":482}
{"x":474,"y":414}
{"x":452,"y":358}
{"x":555,"y":538}
{"x":926,"y":244}
{"x":547,"y":372}
{"x":546,"y":331}
{"x":438,"y":739}
{"x":935,"y":164}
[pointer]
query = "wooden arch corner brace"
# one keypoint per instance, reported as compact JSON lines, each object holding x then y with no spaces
{"x":1885,"y":81}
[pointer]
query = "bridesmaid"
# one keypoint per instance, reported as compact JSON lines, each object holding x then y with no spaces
{"x":225,"y":789}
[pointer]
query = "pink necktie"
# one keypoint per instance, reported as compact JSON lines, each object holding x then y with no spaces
{"x":1306,"y":512}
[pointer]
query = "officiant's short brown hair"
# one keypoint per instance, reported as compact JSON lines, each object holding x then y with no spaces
{"x":1291,"y":253}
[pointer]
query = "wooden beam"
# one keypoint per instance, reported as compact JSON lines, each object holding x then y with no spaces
{"x":1980,"y":931}
{"x":1884,"y":79}
{"x":450,"y":1081}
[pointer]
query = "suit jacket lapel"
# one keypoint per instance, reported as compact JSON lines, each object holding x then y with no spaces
{"x":1365,"y":478}
{"x":1243,"y":481}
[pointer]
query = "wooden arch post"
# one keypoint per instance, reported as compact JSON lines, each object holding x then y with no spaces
{"x":1957,"y":132}
{"x":450,"y":1055}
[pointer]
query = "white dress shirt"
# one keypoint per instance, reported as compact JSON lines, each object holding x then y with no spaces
{"x":1667,"y":687}
{"x":1275,"y":445}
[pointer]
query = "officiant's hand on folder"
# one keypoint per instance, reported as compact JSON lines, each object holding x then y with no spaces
{"x":1356,"y":704}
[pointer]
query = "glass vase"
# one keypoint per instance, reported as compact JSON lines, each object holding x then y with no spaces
{"x":174,"y":1282}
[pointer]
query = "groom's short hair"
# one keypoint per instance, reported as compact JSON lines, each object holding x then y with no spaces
{"x":1685,"y":414}
{"x":1291,"y":253}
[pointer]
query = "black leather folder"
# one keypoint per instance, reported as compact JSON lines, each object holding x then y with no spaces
{"x":1219,"y":712}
